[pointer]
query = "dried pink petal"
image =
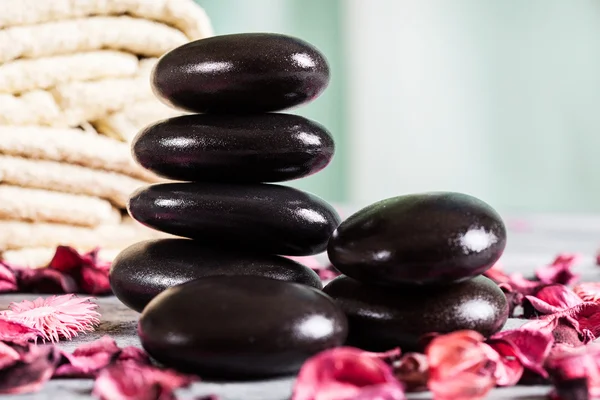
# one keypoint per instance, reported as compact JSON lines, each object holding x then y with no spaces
{"x":90,"y":274}
{"x":389,"y":357}
{"x":413,"y":371}
{"x":8,"y":356}
{"x":553,"y":299}
{"x":585,"y":318}
{"x":8,"y":279}
{"x":56,"y":317}
{"x":135,"y":354}
{"x":572,"y":365}
{"x":344,"y":373}
{"x":461,"y":366}
{"x":34,"y":367}
{"x":515,"y":281}
{"x":88,"y":359}
{"x":588,"y":291}
{"x":130,"y":380}
{"x":16,"y":332}
{"x":45,"y":280}
{"x":559,"y":271}
{"x":384,"y":391}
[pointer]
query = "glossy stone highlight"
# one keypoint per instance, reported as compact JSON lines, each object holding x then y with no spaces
{"x":381,"y":318}
{"x":240,"y":326}
{"x":241,"y":73}
{"x":145,"y":269}
{"x":263,"y":218}
{"x":234,"y":148}
{"x":419,"y":239}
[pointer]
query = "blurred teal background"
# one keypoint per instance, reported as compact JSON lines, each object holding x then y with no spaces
{"x":499,"y":99}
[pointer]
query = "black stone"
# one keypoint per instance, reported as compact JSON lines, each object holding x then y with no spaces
{"x":240,"y":326}
{"x":241,"y":73}
{"x":242,"y":148}
{"x":145,"y":269}
{"x":381,"y":318}
{"x":262,"y":218}
{"x":419,"y":239}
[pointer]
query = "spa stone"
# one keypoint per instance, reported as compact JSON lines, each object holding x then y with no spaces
{"x":381,"y":318}
{"x":240,"y":73}
{"x":419,"y":239}
{"x":261,"y":218}
{"x":234,"y":148}
{"x":145,"y":269}
{"x":239,"y":327}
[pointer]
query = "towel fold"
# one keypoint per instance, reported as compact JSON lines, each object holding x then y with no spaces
{"x":72,"y":146}
{"x":43,"y":73}
{"x":60,"y":177}
{"x":73,"y":104}
{"x":126,"y":123}
{"x":18,"y":234}
{"x":36,"y":205}
{"x":133,"y":35}
{"x":184,"y":15}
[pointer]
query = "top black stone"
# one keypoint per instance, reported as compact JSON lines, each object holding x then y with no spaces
{"x":240,"y":73}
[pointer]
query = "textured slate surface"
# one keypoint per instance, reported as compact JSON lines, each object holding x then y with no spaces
{"x":533,"y":241}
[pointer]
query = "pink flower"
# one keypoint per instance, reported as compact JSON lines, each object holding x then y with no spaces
{"x":88,"y":359}
{"x":571,"y":368}
{"x":130,"y":380}
{"x":34,"y":366}
{"x":346,"y":373}
{"x":8,"y":280}
{"x":461,"y":366}
{"x":559,"y":271}
{"x":56,"y":317}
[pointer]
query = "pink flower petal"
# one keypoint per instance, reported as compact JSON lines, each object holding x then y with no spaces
{"x":16,"y":332}
{"x":515,"y":281}
{"x":94,"y":280}
{"x":553,"y":299}
{"x":8,"y":280}
{"x":56,"y":317}
{"x":136,"y":354}
{"x":587,"y":320}
{"x":570,"y":365}
{"x":66,"y":259}
{"x":8,"y":356}
{"x":90,"y":274}
{"x":88,"y":359}
{"x":386,"y":391}
{"x":559,"y":271}
{"x":129,"y":380}
{"x":461,"y":366}
{"x":588,"y":291}
{"x":45,"y":280}
{"x":34,"y":368}
{"x":413,"y":371}
{"x":343,"y":373}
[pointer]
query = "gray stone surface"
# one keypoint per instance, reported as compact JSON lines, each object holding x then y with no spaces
{"x":533,"y":241}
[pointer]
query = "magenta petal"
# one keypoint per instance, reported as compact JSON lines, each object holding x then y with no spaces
{"x":130,"y":380}
{"x":136,"y":354}
{"x":65,"y":259}
{"x":559,"y":271}
{"x":35,"y":367}
{"x":16,"y":332}
{"x":45,"y":280}
{"x":340,"y":374}
{"x":587,"y":319}
{"x":568,"y":365}
{"x":8,"y":356}
{"x":8,"y":279}
{"x":530,"y":347}
{"x":94,"y":280}
{"x":88,"y":358}
{"x":413,"y":371}
{"x":386,"y":391}
{"x":554,"y":298}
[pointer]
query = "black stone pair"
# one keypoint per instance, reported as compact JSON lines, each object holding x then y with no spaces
{"x":227,"y":303}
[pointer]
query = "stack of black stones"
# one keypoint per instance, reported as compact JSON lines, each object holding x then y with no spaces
{"x":226,"y":303}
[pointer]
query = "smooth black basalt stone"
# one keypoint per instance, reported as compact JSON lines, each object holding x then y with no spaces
{"x":238,"y":327}
{"x":145,"y":269}
{"x":261,"y":218}
{"x":240,"y":73}
{"x":381,"y":318}
{"x":244,"y":148}
{"x":419,"y":239}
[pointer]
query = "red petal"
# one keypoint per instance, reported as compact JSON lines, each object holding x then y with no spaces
{"x":340,"y":374}
{"x":46,"y":280}
{"x":559,"y":271}
{"x":130,"y":380}
{"x":587,"y":319}
{"x":570,"y":364}
{"x":136,"y":354}
{"x":461,"y":366}
{"x":554,"y":298}
{"x":31,"y":372}
{"x":389,"y":357}
{"x":413,"y":371}
{"x":88,"y":358}
{"x":8,"y":280}
{"x":588,"y":291}
{"x":15,"y":332}
{"x":530,"y":347}
{"x":65,"y":259}
{"x":94,"y":280}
